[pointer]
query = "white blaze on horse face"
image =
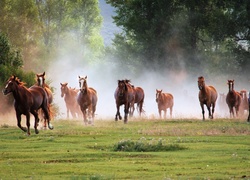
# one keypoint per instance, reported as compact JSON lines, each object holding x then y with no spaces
{"x":41,"y":81}
{"x":7,"y":84}
{"x":81,"y":81}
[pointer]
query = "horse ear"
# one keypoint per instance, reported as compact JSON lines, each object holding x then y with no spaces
{"x":66,"y":84}
{"x":79,"y":76}
{"x":61,"y":84}
{"x":86,"y":77}
{"x":44,"y":73}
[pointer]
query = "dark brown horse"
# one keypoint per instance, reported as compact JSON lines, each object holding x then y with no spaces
{"x":70,"y":95}
{"x":40,"y":78}
{"x":208,"y":96}
{"x":164,"y":101}
{"x":87,"y":100}
{"x":233,"y":99}
{"x":124,"y":95}
{"x":28,"y":100}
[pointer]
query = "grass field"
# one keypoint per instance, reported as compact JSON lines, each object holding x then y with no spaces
{"x":217,"y":149}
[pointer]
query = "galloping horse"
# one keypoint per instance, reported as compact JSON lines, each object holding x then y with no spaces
{"x":70,"y":95}
{"x":233,"y":99}
{"x":124,"y":95}
{"x":164,"y":101}
{"x":28,"y":100}
{"x":208,"y":96}
{"x":41,"y":82}
{"x":139,"y":99}
{"x":87,"y":100}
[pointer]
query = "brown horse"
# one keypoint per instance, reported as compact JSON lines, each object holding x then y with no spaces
{"x":208,"y":96}
{"x":124,"y":95}
{"x":87,"y":100}
{"x":28,"y":100}
{"x":70,"y":95}
{"x":40,"y":78}
{"x":164,"y":101}
{"x":139,"y":100}
{"x":233,"y":99}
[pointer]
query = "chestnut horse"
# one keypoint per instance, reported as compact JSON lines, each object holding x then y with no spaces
{"x":208,"y":96}
{"x":87,"y":100}
{"x":70,"y":95}
{"x":164,"y":101}
{"x":41,"y":82}
{"x":124,"y":95}
{"x":28,"y":100}
{"x":233,"y":99}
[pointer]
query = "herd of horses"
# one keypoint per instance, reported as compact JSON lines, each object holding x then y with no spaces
{"x":82,"y":102}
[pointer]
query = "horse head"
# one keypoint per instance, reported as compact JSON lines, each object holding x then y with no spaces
{"x":40,"y":79}
{"x":158,"y":95}
{"x":83,"y":83}
{"x":11,"y":85}
{"x":64,"y":89}
{"x":201,"y":82}
{"x":122,"y":87}
{"x":230,"y":85}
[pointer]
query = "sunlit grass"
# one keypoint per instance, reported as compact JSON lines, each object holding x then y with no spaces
{"x":158,"y":149}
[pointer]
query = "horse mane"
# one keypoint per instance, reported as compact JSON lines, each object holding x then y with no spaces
{"x":18,"y":81}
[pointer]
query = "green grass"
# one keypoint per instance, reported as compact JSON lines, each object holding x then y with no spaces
{"x":176,"y":149}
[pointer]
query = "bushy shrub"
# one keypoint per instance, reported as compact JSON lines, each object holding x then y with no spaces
{"x":145,"y":146}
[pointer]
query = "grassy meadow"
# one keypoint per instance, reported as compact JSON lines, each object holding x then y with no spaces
{"x":141,"y":149}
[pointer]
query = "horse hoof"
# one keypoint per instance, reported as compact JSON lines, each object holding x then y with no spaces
{"x":36,"y":131}
{"x":50,"y":127}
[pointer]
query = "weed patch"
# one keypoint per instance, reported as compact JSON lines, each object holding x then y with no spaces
{"x":144,"y":145}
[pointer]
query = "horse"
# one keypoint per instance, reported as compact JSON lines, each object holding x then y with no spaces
{"x":87,"y":100}
{"x":124,"y":95}
{"x":208,"y":96}
{"x":139,"y":100}
{"x":244,"y":103}
{"x":164,"y":101}
{"x":233,"y":99}
{"x":26,"y":101}
{"x":41,"y":82}
{"x":70,"y":95}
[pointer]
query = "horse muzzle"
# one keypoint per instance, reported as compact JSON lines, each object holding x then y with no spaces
{"x":200,"y":87}
{"x":5,"y":91}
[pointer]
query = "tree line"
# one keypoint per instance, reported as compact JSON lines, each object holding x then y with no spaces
{"x":209,"y":36}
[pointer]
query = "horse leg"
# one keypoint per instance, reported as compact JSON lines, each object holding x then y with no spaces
{"x":28,"y":123}
{"x":118,"y":113}
{"x":209,"y":111}
{"x":126,"y":111}
{"x":171,"y":110}
{"x":202,"y":110}
{"x":248,"y":119}
{"x":84,"y":113}
{"x":35,"y":114}
{"x":46,"y":112}
{"x":18,"y":116}
{"x":159,"y":113}
{"x":213,"y":107}
{"x":165,"y":113}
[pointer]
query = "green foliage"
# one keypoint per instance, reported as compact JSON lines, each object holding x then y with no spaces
{"x":183,"y":34}
{"x":143,"y":146}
